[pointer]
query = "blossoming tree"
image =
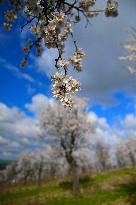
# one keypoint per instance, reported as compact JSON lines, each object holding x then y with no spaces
{"x":70,"y":131}
{"x":126,"y":153}
{"x":51,"y":22}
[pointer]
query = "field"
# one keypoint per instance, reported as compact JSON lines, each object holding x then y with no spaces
{"x":116,"y":187}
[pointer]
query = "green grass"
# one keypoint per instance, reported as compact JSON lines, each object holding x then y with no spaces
{"x":116,"y":187}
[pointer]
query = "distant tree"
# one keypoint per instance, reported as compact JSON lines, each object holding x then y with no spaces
{"x":25,"y":167}
{"x":122,"y":155}
{"x":47,"y":165}
{"x":50,"y":22}
{"x":39,"y":166}
{"x":2,"y":177}
{"x":69,"y":130}
{"x":10,"y":173}
{"x":131,"y":150}
{"x":102,"y":155}
{"x":126,"y":153}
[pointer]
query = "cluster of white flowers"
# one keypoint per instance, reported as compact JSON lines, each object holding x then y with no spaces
{"x":63,"y":86}
{"x":76,"y":59}
{"x":10,"y":17}
{"x":57,"y":31}
{"x":50,"y":21}
{"x":86,"y":4}
{"x":112,"y":8}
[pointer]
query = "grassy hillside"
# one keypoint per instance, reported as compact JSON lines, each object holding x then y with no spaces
{"x":117,"y":187}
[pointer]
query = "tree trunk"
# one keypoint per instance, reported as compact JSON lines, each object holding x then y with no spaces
{"x":39,"y":176}
{"x":75,"y":180}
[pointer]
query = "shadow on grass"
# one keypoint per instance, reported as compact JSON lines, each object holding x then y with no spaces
{"x":129,"y":189}
{"x":84,"y":181}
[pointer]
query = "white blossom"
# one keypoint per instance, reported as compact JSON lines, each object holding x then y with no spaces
{"x":52,"y":22}
{"x":62,"y":88}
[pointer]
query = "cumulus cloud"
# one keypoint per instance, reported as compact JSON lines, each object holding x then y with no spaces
{"x":104,"y":132}
{"x":17,"y":130}
{"x":38,"y":101}
{"x":129,"y":125}
{"x":20,"y":132}
{"x":130,"y":122}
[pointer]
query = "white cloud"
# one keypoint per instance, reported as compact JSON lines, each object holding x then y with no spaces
{"x":19,"y":132}
{"x":38,"y":101}
{"x":10,"y":115}
{"x":46,"y":62}
{"x":16,"y":70}
{"x":103,"y":131}
{"x":100,"y":122}
{"x":27,"y":127}
{"x":3,"y":140}
{"x":129,"y":125}
{"x":130,"y":121}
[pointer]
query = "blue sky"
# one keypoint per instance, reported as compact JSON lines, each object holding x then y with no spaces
{"x":105,"y":80}
{"x":17,"y":85}
{"x":16,"y":90}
